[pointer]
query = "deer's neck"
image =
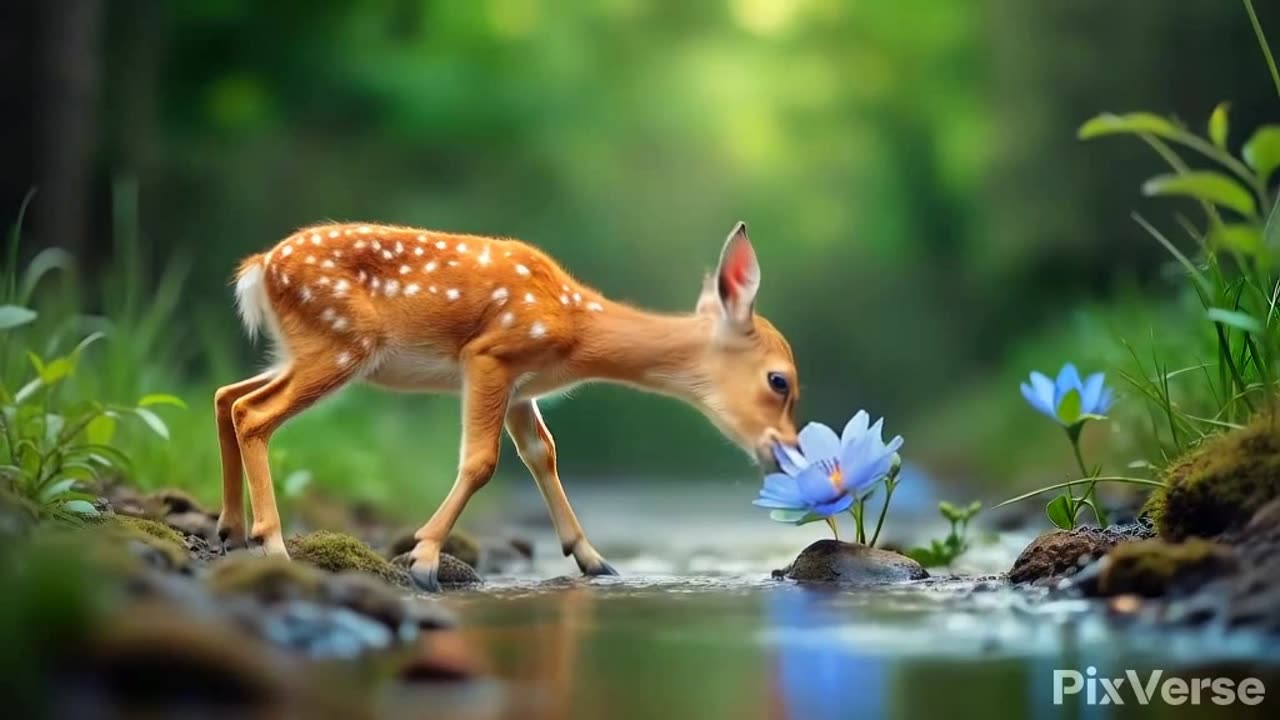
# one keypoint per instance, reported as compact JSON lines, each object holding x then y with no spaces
{"x":653,"y":351}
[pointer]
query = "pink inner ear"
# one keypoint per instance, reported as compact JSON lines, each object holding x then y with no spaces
{"x":738,"y":266}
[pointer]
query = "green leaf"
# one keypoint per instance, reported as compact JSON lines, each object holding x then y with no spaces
{"x":57,"y":371}
{"x":1218,"y":126}
{"x":1069,"y":408}
{"x":1262,"y":151}
{"x":56,"y":489}
{"x":153,"y":421}
{"x":161,"y":399}
{"x":101,"y":429}
{"x":1244,"y":238}
{"x":1139,"y":122}
{"x":46,"y":261}
{"x":12,"y":316}
{"x":1207,"y":185}
{"x":794,"y":517}
{"x":949,"y":511}
{"x":1059,"y":512}
{"x":1236,"y":319}
{"x":81,"y":507}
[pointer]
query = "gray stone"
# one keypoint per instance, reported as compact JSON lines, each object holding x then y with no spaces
{"x":853,"y":564}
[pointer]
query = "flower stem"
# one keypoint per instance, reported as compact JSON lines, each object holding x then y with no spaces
{"x":888,"y":495}
{"x":831,"y":522}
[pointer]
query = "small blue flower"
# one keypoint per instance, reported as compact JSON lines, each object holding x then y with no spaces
{"x":1068,"y":399}
{"x":827,"y":473}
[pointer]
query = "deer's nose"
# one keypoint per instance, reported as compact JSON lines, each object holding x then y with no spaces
{"x":765,"y":449}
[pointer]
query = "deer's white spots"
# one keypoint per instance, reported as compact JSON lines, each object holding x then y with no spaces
{"x":537,"y":330}
{"x":305,"y":294}
{"x":360,"y":244}
{"x":340,"y":288}
{"x":564,"y":299}
{"x":347,"y":232}
{"x":375,"y":283}
{"x":328,"y":315}
{"x":506,"y":254}
{"x":522,"y":271}
{"x":366,"y":343}
{"x":324,"y":280}
{"x":327,"y":264}
{"x":337,"y":253}
{"x":432,"y":290}
{"x":411,"y":289}
{"x":462,"y":248}
{"x":528,"y":298}
{"x":311,"y":259}
{"x":299,"y":240}
{"x":344,"y":358}
{"x":404,"y":269}
{"x":392,"y":288}
{"x":564,"y":287}
{"x":363,"y":230}
{"x":484,"y":258}
{"x":286,"y":251}
{"x":362,"y":276}
{"x":454,"y":263}
{"x":376,"y":245}
{"x":333,"y":233}
{"x":284,"y":278}
{"x":399,"y":247}
{"x":500,"y":294}
{"x":339,"y":323}
{"x":452,"y":294}
{"x":422,"y":238}
{"x":577,"y":297}
{"x":315,"y":238}
{"x":419,"y":252}
{"x":508,"y":319}
{"x":595,"y":307}
{"x":386,"y":255}
{"x":440,"y":244}
{"x":430,"y":267}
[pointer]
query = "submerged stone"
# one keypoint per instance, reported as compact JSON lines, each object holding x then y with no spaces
{"x":1062,"y":553}
{"x":852,"y":564}
{"x":1154,"y":568}
{"x":452,"y":571}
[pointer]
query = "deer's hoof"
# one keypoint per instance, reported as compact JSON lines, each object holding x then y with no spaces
{"x":597,"y":568}
{"x":232,"y":537}
{"x":426,"y":577}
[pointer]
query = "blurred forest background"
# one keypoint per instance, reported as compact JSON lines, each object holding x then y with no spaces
{"x":929,"y":226}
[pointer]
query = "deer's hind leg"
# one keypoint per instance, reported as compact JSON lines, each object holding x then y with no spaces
{"x":538,"y":451}
{"x":261,"y":412}
{"x":231,"y":527}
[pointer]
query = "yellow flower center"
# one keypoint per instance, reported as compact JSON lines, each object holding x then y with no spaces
{"x":837,"y":478}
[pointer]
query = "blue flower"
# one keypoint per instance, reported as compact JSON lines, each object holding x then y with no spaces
{"x":827,"y":473}
{"x":1068,"y":399}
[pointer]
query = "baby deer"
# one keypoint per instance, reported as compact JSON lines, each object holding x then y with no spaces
{"x":501,"y":323}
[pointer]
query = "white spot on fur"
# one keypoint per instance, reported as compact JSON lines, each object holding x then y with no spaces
{"x":577,"y":297}
{"x":339,"y":323}
{"x":386,"y":255}
{"x":333,"y":233}
{"x":528,"y":298}
{"x":506,"y":254}
{"x":323,"y":281}
{"x":432,"y":290}
{"x":411,"y":289}
{"x":399,"y":247}
{"x":363,"y":229}
{"x":537,"y":330}
{"x":328,"y":315}
{"x":392,"y":288}
{"x":360,"y":244}
{"x":315,"y":238}
{"x":419,"y":252}
{"x":311,"y":259}
{"x":430,"y":267}
{"x":285,"y":279}
{"x":595,"y":307}
{"x":305,"y":294}
{"x":366,"y":343}
{"x":508,"y":319}
{"x":422,"y":238}
{"x":344,"y":358}
{"x":454,"y":263}
{"x":375,"y":283}
{"x":440,"y":244}
{"x":340,"y":288}
{"x":452,"y":294}
{"x":327,"y":264}
{"x":500,"y":295}
{"x":376,"y":245}
{"x":362,"y":276}
{"x":286,"y":251}
{"x":522,"y":271}
{"x":484,"y":258}
{"x":564,"y":299}
{"x":404,"y":269}
{"x":462,"y":248}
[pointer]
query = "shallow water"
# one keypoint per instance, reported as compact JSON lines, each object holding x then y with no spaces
{"x":696,"y":629}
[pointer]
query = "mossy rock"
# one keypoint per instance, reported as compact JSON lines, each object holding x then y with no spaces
{"x":171,"y":500}
{"x":1153,"y":568}
{"x":336,"y":552}
{"x":1217,"y":487}
{"x":156,"y":536}
{"x":270,"y":579}
{"x":154,"y":528}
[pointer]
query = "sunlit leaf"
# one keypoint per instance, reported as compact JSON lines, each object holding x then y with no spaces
{"x":101,"y":429}
{"x":12,"y":316}
{"x":1218,"y":127}
{"x":1206,"y":185}
{"x":1243,"y":238}
{"x":1139,"y":122}
{"x":153,"y":421}
{"x":81,"y":507}
{"x":1059,"y":512}
{"x":1262,"y":151}
{"x":1236,"y":319}
{"x":57,"y":488}
{"x":56,"y":371}
{"x":161,"y":399}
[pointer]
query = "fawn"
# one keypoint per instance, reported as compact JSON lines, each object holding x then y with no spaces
{"x":501,"y":323}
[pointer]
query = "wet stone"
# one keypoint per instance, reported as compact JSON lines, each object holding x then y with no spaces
{"x":852,"y":564}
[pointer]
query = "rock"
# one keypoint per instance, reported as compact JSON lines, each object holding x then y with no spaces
{"x":171,"y":501}
{"x":148,"y":541}
{"x":194,"y":523}
{"x":367,"y":595}
{"x":267,"y":579}
{"x":1154,"y":568}
{"x":463,"y":547}
{"x":452,"y":570}
{"x":852,"y":564}
{"x":1217,"y":487}
{"x":335,"y":552}
{"x":153,"y":528}
{"x":1061,"y":553}
{"x":321,"y":631}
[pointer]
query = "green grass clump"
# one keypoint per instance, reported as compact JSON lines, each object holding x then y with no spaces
{"x":336,"y":552}
{"x":1217,"y":487}
{"x":1152,"y":568}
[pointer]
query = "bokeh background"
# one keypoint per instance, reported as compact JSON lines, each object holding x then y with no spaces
{"x":929,"y":226}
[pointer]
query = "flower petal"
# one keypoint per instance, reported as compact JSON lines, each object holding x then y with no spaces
{"x":838,"y":505}
{"x":815,"y":486}
{"x":790,"y":460}
{"x":855,"y":428}
{"x":1039,"y":394}
{"x":819,"y":442}
{"x":1068,"y":380}
{"x":1091,"y":394}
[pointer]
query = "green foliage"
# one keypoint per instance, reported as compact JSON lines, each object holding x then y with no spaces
{"x":945,"y":551}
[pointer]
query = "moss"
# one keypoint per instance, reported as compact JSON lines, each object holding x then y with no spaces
{"x":335,"y":552}
{"x":154,"y":528}
{"x":1152,"y":568}
{"x":463,"y":547}
{"x":158,"y":536}
{"x":267,"y":578}
{"x":1217,"y":487}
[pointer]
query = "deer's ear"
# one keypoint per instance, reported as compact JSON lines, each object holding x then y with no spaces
{"x":738,"y":277}
{"x":709,"y":298}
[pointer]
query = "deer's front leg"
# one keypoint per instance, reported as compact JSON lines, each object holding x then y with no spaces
{"x":538,"y":451}
{"x":486,"y":390}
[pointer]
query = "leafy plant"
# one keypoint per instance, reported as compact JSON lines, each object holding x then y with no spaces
{"x":945,"y":551}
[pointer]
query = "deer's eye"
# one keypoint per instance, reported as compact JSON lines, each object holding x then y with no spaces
{"x":778,"y":383}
